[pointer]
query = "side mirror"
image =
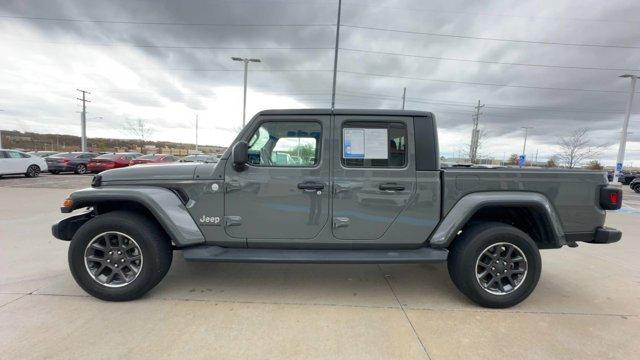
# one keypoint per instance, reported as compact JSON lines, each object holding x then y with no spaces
{"x":240,"y":155}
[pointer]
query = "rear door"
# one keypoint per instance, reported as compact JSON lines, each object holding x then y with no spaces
{"x":16,"y":163}
{"x":275,"y":199}
{"x":374,"y":178}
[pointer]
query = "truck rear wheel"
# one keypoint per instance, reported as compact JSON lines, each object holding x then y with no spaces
{"x":494,"y":264}
{"x":119,"y":256}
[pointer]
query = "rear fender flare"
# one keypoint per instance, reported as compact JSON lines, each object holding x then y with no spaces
{"x":466,"y":207}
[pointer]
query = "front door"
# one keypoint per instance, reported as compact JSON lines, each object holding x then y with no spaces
{"x":375,"y":179}
{"x":283,"y":192}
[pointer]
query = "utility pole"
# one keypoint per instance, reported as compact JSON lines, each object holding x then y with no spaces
{"x":625,"y":126}
{"x":404,"y":96}
{"x":196,"y":132}
{"x":335,"y":58}
{"x":83,"y":120}
{"x":1,"y":135}
{"x":246,"y":62}
{"x":475,"y":135}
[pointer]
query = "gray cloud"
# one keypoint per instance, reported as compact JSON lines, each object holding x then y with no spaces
{"x":175,"y":72}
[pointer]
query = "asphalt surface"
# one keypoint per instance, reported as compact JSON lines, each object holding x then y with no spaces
{"x":587,"y":304}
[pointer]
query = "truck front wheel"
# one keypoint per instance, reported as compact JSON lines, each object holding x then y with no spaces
{"x":494,"y":264}
{"x":119,"y":256}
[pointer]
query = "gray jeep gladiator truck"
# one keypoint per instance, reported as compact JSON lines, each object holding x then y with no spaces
{"x":333,"y":186}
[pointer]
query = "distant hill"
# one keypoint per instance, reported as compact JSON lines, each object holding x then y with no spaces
{"x":30,"y":141}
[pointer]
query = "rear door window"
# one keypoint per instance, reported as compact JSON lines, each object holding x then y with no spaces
{"x":374,"y":144}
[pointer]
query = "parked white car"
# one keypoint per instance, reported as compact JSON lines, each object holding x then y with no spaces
{"x":18,"y":162}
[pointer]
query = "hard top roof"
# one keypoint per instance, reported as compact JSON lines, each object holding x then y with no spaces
{"x":327,"y":111}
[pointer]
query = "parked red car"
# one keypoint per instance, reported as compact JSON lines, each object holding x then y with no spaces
{"x":111,"y":161}
{"x":153,"y":159}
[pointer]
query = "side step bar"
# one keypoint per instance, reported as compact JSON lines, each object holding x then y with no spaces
{"x":221,"y":254}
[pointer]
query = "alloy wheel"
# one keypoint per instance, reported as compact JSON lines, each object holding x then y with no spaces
{"x":501,"y":268}
{"x":33,"y":171}
{"x":113,"y":259}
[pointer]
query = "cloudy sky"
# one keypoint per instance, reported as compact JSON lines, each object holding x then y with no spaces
{"x":552,"y":65}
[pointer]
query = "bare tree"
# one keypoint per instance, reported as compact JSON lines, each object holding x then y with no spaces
{"x":478,"y":153}
{"x":139,"y":129}
{"x":576,"y":148}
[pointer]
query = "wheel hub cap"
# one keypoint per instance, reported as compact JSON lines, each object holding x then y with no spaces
{"x":113,"y":259}
{"x":501,"y":268}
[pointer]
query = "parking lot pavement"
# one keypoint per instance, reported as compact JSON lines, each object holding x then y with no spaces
{"x":46,"y":180}
{"x":587,"y":304}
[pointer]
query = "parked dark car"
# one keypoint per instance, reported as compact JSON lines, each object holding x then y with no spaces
{"x":69,"y":162}
{"x":625,"y":179}
{"x":200,"y":158}
{"x":154,"y":159}
{"x":635,"y":184}
{"x":43,"y":154}
{"x":111,"y":161}
{"x":610,"y":175}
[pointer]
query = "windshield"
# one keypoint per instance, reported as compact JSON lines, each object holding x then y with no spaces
{"x":63,"y":155}
{"x":108,"y":156}
{"x":149,"y":157}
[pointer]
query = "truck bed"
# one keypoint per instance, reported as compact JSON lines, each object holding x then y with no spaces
{"x":573,"y":193}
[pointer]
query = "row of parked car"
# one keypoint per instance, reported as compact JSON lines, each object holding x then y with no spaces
{"x":33,"y":163}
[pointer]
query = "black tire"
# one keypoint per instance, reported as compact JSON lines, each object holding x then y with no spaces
{"x":54,"y":172}
{"x":80,"y":169}
{"x":154,"y":246}
{"x":32,"y":171}
{"x":464,"y":256}
{"x":636,"y":189}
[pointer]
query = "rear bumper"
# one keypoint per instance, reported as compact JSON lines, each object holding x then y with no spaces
{"x":606,"y":235}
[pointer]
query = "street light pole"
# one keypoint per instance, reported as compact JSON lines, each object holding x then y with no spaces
{"x":404,"y":96}
{"x":526,"y":131}
{"x":246,"y":62}
{"x":625,"y":126}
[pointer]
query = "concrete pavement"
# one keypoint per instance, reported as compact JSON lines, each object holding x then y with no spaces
{"x":587,"y":304}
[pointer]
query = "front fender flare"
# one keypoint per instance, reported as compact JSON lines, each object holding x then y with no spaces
{"x":162,"y":203}
{"x":464,"y":209}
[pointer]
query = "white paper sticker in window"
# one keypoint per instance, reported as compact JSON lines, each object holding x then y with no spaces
{"x":376,"y":145}
{"x":365,"y":143}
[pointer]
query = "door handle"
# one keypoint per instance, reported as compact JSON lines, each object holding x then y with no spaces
{"x":310,"y":186}
{"x":391,"y":187}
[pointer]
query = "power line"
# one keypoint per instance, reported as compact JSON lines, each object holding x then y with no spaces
{"x":204,"y":47}
{"x":485,"y":61}
{"x":489,"y":38}
{"x":488,"y":106}
{"x":168,"y":23}
{"x":480,"y":83}
{"x":412,"y":9}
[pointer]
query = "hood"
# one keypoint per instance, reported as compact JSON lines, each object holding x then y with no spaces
{"x":173,"y":171}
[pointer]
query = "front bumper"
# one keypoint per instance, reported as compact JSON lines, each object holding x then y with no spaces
{"x":65,"y":229}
